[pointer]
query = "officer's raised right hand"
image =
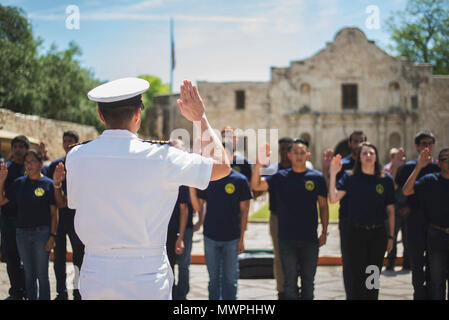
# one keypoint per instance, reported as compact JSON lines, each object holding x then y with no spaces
{"x":190,"y":104}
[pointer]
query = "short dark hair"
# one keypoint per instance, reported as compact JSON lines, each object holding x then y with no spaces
{"x":21,"y":139}
{"x":423,"y":135}
{"x":72,"y":134}
{"x":298,"y":141}
{"x":444,"y":150}
{"x":285,"y":140}
{"x":357,"y":133}
{"x":36,"y":153}
{"x":118,"y":116}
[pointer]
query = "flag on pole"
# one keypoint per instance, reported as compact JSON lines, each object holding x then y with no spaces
{"x":173,"y":62}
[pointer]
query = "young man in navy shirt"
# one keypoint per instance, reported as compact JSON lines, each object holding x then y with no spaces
{"x":16,"y":169}
{"x":239,"y":163}
{"x":416,"y":220}
{"x":65,"y":228}
{"x":227,"y":205}
{"x":355,"y":139}
{"x":297,"y":191}
{"x":284,"y":163}
{"x":432,"y":190}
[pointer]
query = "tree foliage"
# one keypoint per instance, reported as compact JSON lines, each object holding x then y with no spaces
{"x":421,"y":33}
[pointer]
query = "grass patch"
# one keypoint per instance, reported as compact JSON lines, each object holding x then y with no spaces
{"x":264,"y":213}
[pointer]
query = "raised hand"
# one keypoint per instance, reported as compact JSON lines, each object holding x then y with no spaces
{"x":398,"y":159}
{"x":59,"y":174}
{"x":3,"y":172}
{"x":424,"y":158}
{"x":190,"y":104}
{"x":335,"y":165}
{"x":43,"y":149}
{"x":263,"y":155}
{"x":327,"y":158}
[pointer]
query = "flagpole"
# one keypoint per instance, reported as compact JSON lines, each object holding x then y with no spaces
{"x":172,"y":55}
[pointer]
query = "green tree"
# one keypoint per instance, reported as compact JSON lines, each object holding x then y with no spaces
{"x":150,"y":115}
{"x":18,"y":65}
{"x":421,"y":33}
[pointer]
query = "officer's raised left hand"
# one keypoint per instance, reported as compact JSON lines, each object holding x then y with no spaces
{"x":190,"y":104}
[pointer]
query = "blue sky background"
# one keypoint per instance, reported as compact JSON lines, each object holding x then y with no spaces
{"x":215,"y":40}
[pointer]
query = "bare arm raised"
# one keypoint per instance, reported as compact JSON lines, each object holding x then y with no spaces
{"x":192,"y":108}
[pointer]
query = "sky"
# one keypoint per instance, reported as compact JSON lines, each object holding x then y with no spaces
{"x":215,"y":40}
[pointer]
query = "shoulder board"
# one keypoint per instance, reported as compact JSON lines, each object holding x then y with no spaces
{"x":158,"y":141}
{"x":79,"y":144}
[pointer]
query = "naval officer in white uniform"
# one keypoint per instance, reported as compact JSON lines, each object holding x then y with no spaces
{"x":124,"y":190}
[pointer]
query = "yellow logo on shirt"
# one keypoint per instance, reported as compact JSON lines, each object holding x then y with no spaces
{"x":236,"y":168}
{"x":310,"y":186}
{"x":230,"y":188}
{"x":380,"y":189}
{"x":39,"y":192}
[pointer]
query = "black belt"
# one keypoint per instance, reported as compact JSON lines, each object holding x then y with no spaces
{"x":445,"y":230}
{"x":369,"y":227}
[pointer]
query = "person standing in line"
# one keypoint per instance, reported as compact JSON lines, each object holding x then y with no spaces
{"x":433,"y":192}
{"x":396,"y":160}
{"x":37,"y":220}
{"x":297,"y":190}
{"x":135,"y":184}
{"x":355,"y":139}
{"x":65,"y":226}
{"x":227,"y":205}
{"x":14,"y":267}
{"x":417,"y":223}
{"x":284,"y":145}
{"x":239,"y":163}
{"x":370,"y":201}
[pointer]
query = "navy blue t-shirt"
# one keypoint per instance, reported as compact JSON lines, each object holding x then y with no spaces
{"x":241,"y":165}
{"x":347,"y":163}
{"x":222,"y":222}
{"x":15,"y":171}
{"x":183,"y":197}
{"x":49,"y":173}
{"x":33,"y":199}
{"x":367,"y":197}
{"x":296,"y":202}
{"x":271,"y":191}
{"x":432,"y":190}
{"x":405,"y":171}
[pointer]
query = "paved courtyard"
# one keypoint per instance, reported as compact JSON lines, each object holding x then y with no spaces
{"x":328,"y":280}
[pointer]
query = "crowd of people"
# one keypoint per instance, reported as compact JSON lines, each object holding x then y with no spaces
{"x":376,"y":202}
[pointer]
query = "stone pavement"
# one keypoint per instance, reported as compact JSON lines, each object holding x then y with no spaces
{"x":328,"y":280}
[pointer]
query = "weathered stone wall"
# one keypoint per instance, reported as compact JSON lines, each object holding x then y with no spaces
{"x":47,"y":130}
{"x":396,"y":98}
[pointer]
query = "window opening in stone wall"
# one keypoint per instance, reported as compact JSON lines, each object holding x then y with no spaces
{"x":240,"y":99}
{"x":350,"y":97}
{"x":415,"y":103}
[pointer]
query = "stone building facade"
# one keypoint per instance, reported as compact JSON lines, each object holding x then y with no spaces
{"x":349,"y":85}
{"x":38,"y":129}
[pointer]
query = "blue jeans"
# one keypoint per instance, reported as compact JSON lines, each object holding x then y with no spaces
{"x":300,"y":254}
{"x":223,"y":267}
{"x":183,"y":286}
{"x":31,"y":243}
{"x":438,"y":250}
